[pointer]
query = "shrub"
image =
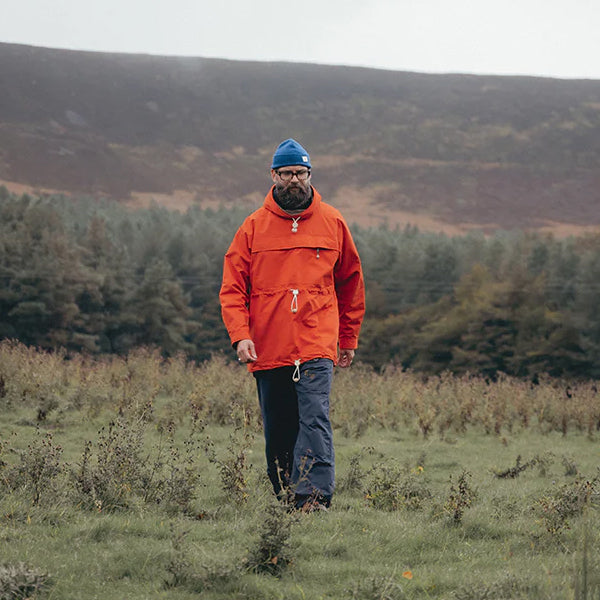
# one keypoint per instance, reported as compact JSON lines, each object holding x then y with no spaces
{"x":272,"y":552}
{"x":19,"y":581}
{"x":38,"y":469}
{"x":392,"y":487}
{"x":461,"y":497}
{"x":121,"y":471}
{"x":556,"y":509}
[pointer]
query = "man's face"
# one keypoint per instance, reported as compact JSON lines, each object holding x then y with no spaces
{"x":292,"y":184}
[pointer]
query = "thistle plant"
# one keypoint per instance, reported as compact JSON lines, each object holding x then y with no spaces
{"x":556,"y":510}
{"x":272,"y":551}
{"x":118,"y":470}
{"x":38,"y":469}
{"x":234,"y":467}
{"x":461,"y":497}
{"x":109,"y":481}
{"x":354,"y":477}
{"x":179,"y":567}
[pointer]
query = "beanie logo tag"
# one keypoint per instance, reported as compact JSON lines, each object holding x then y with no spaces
{"x":305,"y":159}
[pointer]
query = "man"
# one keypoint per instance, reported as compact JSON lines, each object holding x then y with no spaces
{"x":292,"y":300}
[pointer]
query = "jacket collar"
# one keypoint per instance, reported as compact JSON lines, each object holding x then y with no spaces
{"x":271,"y":205}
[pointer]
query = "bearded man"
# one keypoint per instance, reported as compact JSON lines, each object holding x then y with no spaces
{"x":292,"y":300}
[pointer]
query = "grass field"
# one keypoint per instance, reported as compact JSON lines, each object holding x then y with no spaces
{"x":141,"y":478}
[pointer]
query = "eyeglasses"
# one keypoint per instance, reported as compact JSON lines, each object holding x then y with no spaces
{"x":289,"y":175}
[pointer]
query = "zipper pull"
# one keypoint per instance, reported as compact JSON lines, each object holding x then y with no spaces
{"x":294,"y":304}
{"x":295,"y":224}
{"x":318,"y":250}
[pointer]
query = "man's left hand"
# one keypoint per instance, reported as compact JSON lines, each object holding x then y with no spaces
{"x":345,"y":357}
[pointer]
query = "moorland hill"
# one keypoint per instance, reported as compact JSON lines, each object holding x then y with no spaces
{"x":448,"y":152}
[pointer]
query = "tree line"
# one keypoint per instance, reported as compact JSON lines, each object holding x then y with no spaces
{"x":92,"y":276}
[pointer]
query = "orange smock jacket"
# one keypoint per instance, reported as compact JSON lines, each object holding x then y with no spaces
{"x":293,"y":285}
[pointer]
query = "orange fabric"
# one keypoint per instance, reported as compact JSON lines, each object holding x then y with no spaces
{"x":297,"y":295}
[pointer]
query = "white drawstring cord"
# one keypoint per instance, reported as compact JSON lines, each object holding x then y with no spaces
{"x":295,"y":224}
{"x":294,"y":304}
{"x":296,"y":373}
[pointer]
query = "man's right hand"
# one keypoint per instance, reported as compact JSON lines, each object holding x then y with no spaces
{"x":245,"y":351}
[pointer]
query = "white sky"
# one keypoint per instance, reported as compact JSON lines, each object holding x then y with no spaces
{"x":554,"y":38}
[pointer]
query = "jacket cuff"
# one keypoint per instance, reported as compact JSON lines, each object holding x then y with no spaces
{"x":348,"y":343}
{"x":239,"y":335}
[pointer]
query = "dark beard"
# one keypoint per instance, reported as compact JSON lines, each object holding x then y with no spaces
{"x":295,"y":199}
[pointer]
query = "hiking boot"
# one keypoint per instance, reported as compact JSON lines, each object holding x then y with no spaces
{"x":313,"y":506}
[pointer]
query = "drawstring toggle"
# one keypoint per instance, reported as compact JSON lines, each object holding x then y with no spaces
{"x":296,"y":373}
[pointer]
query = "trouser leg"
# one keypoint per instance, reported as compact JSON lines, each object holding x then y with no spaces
{"x":279,"y":408}
{"x":314,"y":467}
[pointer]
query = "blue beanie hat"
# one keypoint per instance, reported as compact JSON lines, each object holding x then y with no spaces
{"x":290,"y":153}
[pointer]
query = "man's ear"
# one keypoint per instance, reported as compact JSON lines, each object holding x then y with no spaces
{"x":273,"y":175}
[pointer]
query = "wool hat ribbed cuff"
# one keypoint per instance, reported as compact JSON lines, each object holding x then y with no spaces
{"x":289,"y":153}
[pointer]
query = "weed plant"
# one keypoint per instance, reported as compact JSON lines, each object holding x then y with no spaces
{"x":558,"y":507}
{"x":234,"y":467}
{"x":39,"y":467}
{"x":272,"y":552}
{"x":461,"y":496}
{"x":392,"y":487}
{"x":18,"y":581}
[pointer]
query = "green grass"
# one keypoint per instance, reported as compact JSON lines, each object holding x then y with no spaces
{"x":499,"y":549}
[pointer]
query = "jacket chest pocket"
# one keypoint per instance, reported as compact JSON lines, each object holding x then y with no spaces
{"x":299,"y":267}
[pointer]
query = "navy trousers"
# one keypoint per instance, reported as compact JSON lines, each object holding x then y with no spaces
{"x":298,"y":435}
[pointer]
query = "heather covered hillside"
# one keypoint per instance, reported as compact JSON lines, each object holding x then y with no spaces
{"x":451,"y":152}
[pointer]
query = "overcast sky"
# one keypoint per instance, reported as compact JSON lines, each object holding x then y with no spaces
{"x":553,"y":38}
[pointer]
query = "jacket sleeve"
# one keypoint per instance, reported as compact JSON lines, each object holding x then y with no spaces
{"x":235,"y":288}
{"x":350,"y":290}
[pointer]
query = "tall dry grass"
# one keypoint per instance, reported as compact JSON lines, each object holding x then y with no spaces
{"x":221,"y":392}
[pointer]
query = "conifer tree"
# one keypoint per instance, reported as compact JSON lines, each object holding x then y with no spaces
{"x":159,"y":311}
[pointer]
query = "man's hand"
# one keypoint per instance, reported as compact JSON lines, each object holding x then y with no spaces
{"x":245,"y":351}
{"x":345,"y":356}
